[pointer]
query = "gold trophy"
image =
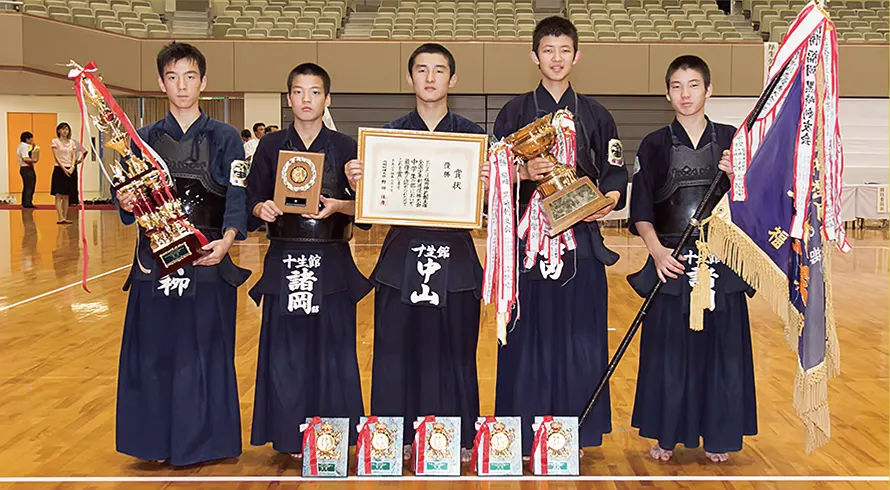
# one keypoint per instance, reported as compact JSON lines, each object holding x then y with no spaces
{"x":175,"y":242}
{"x":566,"y":198}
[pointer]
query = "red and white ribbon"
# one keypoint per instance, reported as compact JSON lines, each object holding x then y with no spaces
{"x":420,"y":443}
{"x":363,"y":446}
{"x":539,"y":445}
{"x":482,"y":443}
{"x":500,"y":279}
{"x":500,"y":282}
{"x":309,"y":438}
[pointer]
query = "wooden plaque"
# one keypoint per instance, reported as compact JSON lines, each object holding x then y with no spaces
{"x":298,"y":182}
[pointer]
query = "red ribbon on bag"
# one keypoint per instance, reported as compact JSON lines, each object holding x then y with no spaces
{"x":309,"y":437}
{"x":364,"y":442}
{"x":420,"y":444}
{"x":540,"y":442}
{"x":483,"y":437}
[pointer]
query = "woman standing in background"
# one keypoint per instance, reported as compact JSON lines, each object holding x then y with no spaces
{"x":68,"y":154}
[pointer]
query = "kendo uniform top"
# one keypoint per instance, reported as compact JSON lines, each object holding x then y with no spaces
{"x":201,"y":163}
{"x":307,"y":364}
{"x":690,"y":384}
{"x":557,"y":351}
{"x":426,"y":328}
{"x":177,"y":389}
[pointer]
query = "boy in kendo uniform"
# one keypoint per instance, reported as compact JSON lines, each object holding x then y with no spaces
{"x":307,"y":364}
{"x":177,"y":397}
{"x":557,"y":350}
{"x":425,"y":342}
{"x":691,"y":384}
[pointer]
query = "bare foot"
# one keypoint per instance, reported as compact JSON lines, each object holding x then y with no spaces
{"x":406,"y":452}
{"x":296,"y":455}
{"x":717,"y":457}
{"x":466,"y":455}
{"x":526,"y":458}
{"x":657,"y":452}
{"x":580,"y":453}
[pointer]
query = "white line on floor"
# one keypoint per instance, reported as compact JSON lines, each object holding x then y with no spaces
{"x":391,"y":479}
{"x":54,"y":291}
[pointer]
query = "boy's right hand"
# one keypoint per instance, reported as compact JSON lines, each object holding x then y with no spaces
{"x":267,"y":211}
{"x":535,"y":169}
{"x":355,"y":170}
{"x":126,"y":201}
{"x":665,"y":264}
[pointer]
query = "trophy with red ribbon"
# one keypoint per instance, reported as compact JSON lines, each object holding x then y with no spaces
{"x":175,"y":242}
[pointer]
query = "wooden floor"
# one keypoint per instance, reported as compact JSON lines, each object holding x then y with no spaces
{"x":59,"y":350}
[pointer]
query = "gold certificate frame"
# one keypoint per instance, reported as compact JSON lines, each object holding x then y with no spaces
{"x":420,"y":178}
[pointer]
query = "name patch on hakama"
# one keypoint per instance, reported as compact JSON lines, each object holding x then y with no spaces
{"x":426,"y":274}
{"x":178,"y":284}
{"x":301,"y":282}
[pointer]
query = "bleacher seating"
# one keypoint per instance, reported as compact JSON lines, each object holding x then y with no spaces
{"x":139,"y":18}
{"x":278,"y":19}
{"x":597,"y":20}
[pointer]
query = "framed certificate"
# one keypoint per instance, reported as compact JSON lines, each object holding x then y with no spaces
{"x":420,"y":178}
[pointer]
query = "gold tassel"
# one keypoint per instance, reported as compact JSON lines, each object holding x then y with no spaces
{"x":700,"y":298}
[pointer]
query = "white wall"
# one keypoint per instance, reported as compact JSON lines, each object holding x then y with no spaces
{"x":68,"y":111}
{"x":864,"y":133}
{"x":264,"y":108}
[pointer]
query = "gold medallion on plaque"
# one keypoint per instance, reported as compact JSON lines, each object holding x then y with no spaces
{"x":298,"y":186}
{"x":326,"y":443}
{"x":440,"y":440}
{"x":381,"y":441}
{"x":501,"y":439}
{"x":558,"y":438}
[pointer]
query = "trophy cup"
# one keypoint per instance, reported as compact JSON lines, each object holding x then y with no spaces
{"x":566,"y":198}
{"x":175,"y":242}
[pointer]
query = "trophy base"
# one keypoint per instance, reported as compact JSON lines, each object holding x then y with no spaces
{"x":573,"y":203}
{"x":179,"y":254}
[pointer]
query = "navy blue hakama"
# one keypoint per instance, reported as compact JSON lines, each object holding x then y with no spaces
{"x":307,"y":365}
{"x":177,"y":393}
{"x":691,"y":385}
{"x":557,"y":350}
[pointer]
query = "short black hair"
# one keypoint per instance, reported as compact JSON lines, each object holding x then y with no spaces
{"x":26,"y":136}
{"x":245,"y":133}
{"x":432,"y":48}
{"x":257,"y":125}
{"x":175,"y":51}
{"x":62,"y":125}
{"x":688,"y":62}
{"x":272,"y":126}
{"x":310,"y":69}
{"x":554,"y":26}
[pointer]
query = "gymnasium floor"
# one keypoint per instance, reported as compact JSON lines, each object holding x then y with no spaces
{"x":59,"y":351}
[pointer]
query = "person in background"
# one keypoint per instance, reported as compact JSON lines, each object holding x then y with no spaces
{"x":271,"y":129}
{"x":245,"y":135}
{"x":259,"y":130}
{"x":67,"y":154}
{"x":28,"y":154}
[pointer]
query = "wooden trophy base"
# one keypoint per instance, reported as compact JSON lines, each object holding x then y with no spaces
{"x":572,"y":204}
{"x":179,"y":254}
